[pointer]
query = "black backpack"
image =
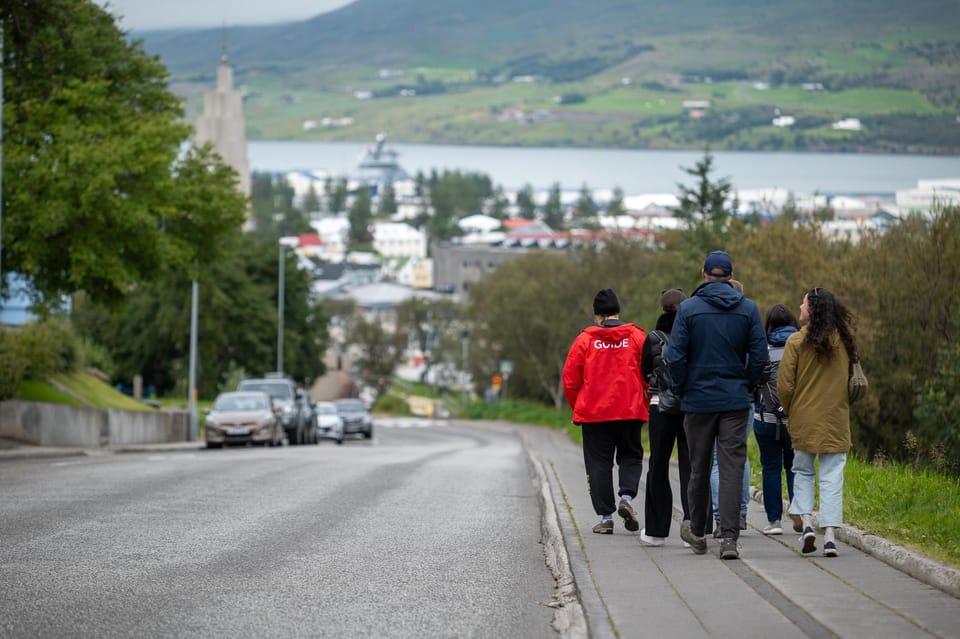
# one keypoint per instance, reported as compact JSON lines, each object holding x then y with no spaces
{"x":767,"y":390}
{"x":668,"y":401}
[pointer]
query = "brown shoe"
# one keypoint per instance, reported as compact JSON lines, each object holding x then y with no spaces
{"x":605,"y":527}
{"x":697,"y":544}
{"x":625,"y":510}
{"x":797,"y":522}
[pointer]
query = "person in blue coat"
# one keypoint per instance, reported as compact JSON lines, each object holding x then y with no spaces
{"x":716,"y":356}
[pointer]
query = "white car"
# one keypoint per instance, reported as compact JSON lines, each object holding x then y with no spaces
{"x":329,"y":422}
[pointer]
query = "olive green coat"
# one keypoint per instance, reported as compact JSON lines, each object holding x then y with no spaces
{"x":814,"y":396}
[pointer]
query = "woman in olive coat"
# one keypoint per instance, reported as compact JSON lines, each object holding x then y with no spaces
{"x":812,"y":384}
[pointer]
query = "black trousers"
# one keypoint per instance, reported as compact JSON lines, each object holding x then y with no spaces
{"x":729,"y":429}
{"x":602,"y":443}
{"x":665,"y":431}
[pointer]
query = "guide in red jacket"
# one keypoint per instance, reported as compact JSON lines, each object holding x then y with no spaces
{"x":604,"y":386}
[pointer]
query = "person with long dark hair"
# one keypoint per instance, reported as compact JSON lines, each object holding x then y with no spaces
{"x":665,"y":431}
{"x":770,"y":424}
{"x":812,"y":385}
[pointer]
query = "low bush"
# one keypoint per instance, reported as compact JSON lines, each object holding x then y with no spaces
{"x":391,"y":405}
{"x":11,"y":364}
{"x":47,"y":347}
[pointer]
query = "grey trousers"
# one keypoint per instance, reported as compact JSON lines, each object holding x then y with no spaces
{"x":728,"y":429}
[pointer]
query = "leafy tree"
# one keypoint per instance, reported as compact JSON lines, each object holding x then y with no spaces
{"x":455,"y":195}
{"x":381,"y":353}
{"x":908,"y":317}
{"x":538,"y":345}
{"x":90,"y":134}
{"x":585,"y":209}
{"x":704,"y":207}
{"x":360,"y":217}
{"x":337,"y":197}
{"x":553,"y":210}
{"x":499,"y":204}
{"x":433,"y":326}
{"x":526,"y":205}
{"x":387,"y":205}
{"x":149,"y":334}
{"x":938,"y":405}
{"x":616,"y":206}
{"x":311,"y":201}
{"x":275,"y":213}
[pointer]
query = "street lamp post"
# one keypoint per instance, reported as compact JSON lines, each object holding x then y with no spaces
{"x":281,"y":272}
{"x":465,"y":343}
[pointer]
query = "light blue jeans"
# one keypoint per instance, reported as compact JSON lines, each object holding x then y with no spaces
{"x":831,"y":486}
{"x":715,"y":479}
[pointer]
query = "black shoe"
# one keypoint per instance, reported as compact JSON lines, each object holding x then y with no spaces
{"x":697,"y":544}
{"x":625,"y":510}
{"x":830,"y":549}
{"x":809,"y":539}
{"x":728,"y":548}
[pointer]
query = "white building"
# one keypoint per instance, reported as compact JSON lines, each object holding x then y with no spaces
{"x":396,"y":239}
{"x":930,"y":192}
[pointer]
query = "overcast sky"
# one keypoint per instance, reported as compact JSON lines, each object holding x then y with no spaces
{"x":143,"y":15}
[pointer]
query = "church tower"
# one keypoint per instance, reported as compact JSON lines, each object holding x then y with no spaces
{"x":223,"y":125}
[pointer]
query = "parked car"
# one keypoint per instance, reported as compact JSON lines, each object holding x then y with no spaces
{"x":329,"y":422}
{"x":242,"y":418}
{"x":296,"y":413}
{"x":356,"y":418}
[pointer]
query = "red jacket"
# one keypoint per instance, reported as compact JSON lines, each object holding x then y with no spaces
{"x":601,"y":377}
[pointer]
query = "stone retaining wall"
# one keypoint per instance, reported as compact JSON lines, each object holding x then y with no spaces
{"x":43,"y":424}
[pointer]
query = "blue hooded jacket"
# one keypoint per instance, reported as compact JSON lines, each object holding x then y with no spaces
{"x":717,"y":350}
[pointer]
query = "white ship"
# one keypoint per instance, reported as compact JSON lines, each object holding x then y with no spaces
{"x":378,"y":164}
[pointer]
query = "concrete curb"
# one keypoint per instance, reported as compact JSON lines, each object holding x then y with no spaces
{"x":569,"y":619}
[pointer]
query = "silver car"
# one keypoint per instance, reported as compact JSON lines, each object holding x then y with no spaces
{"x":329,"y":422}
{"x":356,"y":418}
{"x":243,"y":417}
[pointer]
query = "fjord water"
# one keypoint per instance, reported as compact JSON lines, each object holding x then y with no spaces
{"x":634,"y":171}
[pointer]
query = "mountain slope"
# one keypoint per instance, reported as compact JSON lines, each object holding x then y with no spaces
{"x":455,"y":55}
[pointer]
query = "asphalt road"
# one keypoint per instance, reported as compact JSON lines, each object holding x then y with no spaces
{"x":425,"y":531}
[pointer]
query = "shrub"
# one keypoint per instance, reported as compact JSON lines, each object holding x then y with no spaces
{"x":391,"y":405}
{"x":48,"y":346}
{"x":11,"y":364}
{"x":96,"y":356}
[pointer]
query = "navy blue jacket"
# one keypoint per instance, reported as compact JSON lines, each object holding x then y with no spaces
{"x":717,"y":350}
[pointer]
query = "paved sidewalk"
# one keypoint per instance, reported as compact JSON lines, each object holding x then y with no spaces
{"x":627,"y":589}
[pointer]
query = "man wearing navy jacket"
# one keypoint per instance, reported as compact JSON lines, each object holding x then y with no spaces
{"x":716,"y":356}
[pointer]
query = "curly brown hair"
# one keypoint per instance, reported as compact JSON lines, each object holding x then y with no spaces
{"x":829,"y":314}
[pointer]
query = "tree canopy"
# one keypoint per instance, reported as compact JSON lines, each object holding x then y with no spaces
{"x":97,"y":195}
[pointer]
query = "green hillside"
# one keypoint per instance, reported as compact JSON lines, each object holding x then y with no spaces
{"x":614,"y":74}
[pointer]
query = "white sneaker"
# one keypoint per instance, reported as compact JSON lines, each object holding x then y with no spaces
{"x":773,"y":528}
{"x":647,"y":540}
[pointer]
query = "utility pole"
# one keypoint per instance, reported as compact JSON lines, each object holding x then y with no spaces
{"x":192,"y":400}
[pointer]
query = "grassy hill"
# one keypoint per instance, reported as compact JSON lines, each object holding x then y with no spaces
{"x":613,"y":74}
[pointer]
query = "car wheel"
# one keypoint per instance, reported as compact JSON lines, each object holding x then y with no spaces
{"x":368,"y":434}
{"x":214,"y":445}
{"x":340,"y":442}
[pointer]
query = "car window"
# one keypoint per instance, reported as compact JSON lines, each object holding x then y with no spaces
{"x":351,"y":407}
{"x":277,"y":391}
{"x":326,"y":409}
{"x":240,"y":403}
